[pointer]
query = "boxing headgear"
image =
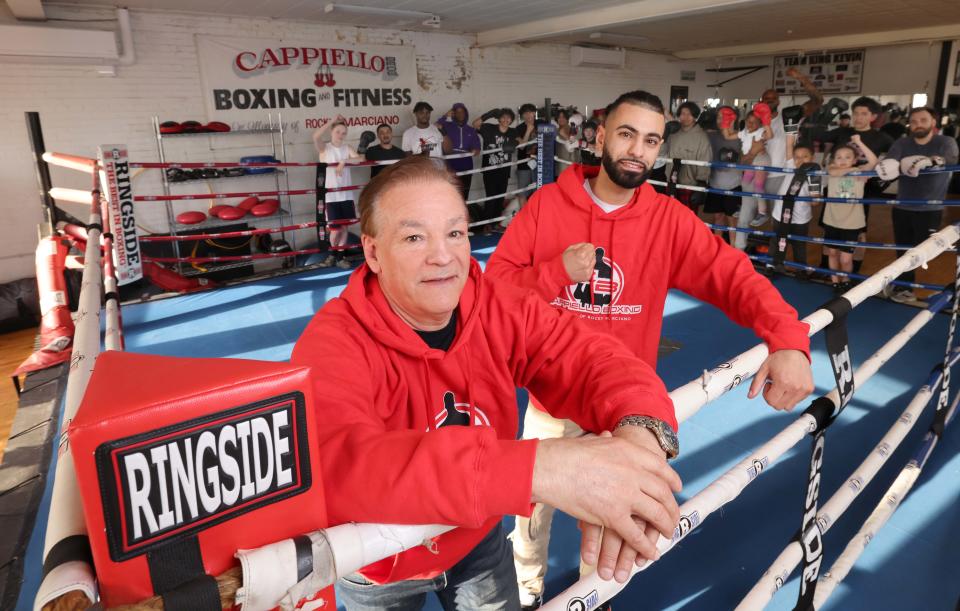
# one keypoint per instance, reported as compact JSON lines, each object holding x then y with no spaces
{"x":171,"y":127}
{"x":192,"y":127}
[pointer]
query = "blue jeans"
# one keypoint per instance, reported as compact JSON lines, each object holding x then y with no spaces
{"x":485,"y":580}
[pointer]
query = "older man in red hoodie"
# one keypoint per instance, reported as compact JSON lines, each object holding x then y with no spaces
{"x":416,"y":366}
{"x":602,"y":243}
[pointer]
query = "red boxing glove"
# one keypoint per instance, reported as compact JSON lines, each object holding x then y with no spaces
{"x":726,"y":117}
{"x":763,"y":112}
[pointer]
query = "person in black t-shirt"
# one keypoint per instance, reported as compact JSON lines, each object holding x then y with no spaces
{"x":494,"y":136}
{"x":525,"y":131}
{"x":384,"y":150}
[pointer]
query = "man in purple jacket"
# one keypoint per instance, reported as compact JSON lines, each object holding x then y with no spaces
{"x":459,"y":137}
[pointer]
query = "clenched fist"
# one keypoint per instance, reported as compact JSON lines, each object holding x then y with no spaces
{"x":579,"y":260}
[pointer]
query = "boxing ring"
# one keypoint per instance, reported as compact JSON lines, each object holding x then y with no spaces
{"x":712,"y":562}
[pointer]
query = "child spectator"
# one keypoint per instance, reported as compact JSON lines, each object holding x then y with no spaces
{"x":763,"y":113}
{"x":338,"y":209}
{"x":845,"y":221}
{"x":754,"y":152}
{"x":726,"y":147}
{"x":797,"y":155}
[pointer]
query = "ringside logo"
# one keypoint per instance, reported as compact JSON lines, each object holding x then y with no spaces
{"x":586,"y":603}
{"x":193,"y":475}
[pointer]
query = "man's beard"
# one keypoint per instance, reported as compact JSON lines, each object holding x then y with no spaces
{"x":920,"y":134}
{"x":625,"y":180}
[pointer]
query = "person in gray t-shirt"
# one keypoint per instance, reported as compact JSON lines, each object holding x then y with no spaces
{"x":725,"y":145}
{"x":922,"y":147}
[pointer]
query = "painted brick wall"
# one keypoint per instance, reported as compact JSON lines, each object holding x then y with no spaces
{"x":80,"y":109}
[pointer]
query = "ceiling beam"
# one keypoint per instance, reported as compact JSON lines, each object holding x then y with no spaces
{"x":30,"y":10}
{"x":871,"y":39}
{"x":622,"y":15}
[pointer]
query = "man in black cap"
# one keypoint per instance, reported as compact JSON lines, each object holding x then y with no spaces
{"x":423,"y":138}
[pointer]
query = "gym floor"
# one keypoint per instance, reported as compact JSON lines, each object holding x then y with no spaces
{"x":911,"y":564}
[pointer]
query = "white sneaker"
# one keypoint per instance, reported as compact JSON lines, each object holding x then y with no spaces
{"x":902,"y":295}
{"x":329,"y":261}
{"x":344,"y":264}
{"x":760,"y":220}
{"x":529,"y":600}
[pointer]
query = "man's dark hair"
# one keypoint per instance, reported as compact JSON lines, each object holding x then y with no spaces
{"x":869,"y":103}
{"x":927,"y":109}
{"x":508,"y":111}
{"x":384,"y":125}
{"x":637,"y":98}
{"x":804,"y":145}
{"x":528,"y":107}
{"x":691,"y":107}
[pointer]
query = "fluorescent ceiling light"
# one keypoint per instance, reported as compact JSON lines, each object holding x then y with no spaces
{"x":429,"y":19}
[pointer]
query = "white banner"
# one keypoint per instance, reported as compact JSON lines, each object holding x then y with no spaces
{"x":831,"y":71}
{"x":121,"y":222}
{"x":308,"y":83}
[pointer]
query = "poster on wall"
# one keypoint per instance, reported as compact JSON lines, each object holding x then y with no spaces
{"x":307,"y":83}
{"x":834,"y":72}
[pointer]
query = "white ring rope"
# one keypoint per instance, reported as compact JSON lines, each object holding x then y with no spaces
{"x":688,"y":399}
{"x":891,"y":501}
{"x":728,"y":486}
{"x":693,"y":395}
{"x":778,"y":573}
{"x":66,"y":510}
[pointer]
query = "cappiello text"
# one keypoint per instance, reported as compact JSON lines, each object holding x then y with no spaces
{"x":252,"y":61}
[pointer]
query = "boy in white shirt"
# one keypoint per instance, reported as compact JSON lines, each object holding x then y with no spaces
{"x":802,"y":210}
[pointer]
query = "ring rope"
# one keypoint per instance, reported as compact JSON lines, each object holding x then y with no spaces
{"x":768,"y":261}
{"x":813,"y":239}
{"x":885,"y":508}
{"x":224,"y":258}
{"x":866,"y":201}
{"x":781,"y":568}
{"x":725,"y":165}
{"x":70,"y":526}
{"x":734,"y":481}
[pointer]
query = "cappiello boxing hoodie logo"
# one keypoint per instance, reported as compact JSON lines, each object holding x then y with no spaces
{"x":458,"y":414}
{"x":604,"y":287}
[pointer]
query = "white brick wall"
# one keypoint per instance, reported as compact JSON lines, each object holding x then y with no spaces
{"x":80,"y":110}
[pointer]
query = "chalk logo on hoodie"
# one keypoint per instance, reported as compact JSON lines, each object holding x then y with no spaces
{"x":601,"y":295}
{"x":458,"y":414}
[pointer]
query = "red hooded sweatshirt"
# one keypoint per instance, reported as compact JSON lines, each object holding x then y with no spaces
{"x":383,"y":396}
{"x":644,"y":248}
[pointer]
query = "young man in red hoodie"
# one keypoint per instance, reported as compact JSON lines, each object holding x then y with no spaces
{"x":602,"y":243}
{"x":417,"y":362}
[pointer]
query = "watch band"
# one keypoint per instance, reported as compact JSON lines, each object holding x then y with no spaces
{"x":665,"y":436}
